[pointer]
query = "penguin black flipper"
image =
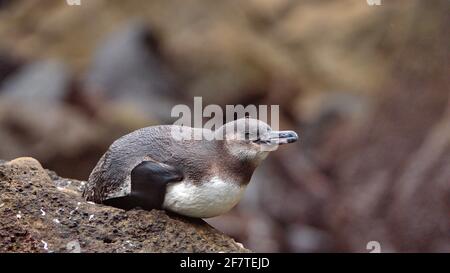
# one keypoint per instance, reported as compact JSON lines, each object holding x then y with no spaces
{"x":148,"y":186}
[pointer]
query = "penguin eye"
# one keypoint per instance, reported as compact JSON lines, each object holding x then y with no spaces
{"x":257,"y":141}
{"x":258,"y":138}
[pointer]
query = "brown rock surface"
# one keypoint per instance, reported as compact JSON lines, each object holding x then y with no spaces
{"x":41,"y":212}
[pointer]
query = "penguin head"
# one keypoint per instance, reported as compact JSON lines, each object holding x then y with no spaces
{"x":252,"y":139}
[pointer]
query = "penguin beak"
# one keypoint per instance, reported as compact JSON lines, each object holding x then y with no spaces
{"x":282,"y":137}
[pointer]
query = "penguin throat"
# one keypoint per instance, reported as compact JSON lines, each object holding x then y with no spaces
{"x":247,"y":155}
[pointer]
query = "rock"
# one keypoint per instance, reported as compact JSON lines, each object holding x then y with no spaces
{"x":42,"y":212}
{"x":57,"y":135}
{"x":46,"y":81}
{"x":8,"y":65}
{"x":129,"y":69}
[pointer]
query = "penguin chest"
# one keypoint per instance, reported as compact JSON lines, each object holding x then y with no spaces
{"x":209,"y":199}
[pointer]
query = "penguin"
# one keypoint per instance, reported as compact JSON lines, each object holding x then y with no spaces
{"x":153,"y":168}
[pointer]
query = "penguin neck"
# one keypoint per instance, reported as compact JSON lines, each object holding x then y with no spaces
{"x":238,"y":166}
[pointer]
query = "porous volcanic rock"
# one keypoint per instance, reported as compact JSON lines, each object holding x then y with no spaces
{"x":42,"y":212}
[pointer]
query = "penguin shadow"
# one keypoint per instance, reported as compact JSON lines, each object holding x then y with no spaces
{"x":175,"y":216}
{"x":186,"y":219}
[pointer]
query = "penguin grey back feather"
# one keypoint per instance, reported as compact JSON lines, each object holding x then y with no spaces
{"x":195,"y":158}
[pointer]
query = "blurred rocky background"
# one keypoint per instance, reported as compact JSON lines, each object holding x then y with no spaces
{"x":367,"y":88}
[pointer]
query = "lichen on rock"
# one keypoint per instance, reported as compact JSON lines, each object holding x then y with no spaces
{"x":42,"y":212}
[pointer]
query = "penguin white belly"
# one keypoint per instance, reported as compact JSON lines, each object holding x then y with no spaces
{"x":209,"y":199}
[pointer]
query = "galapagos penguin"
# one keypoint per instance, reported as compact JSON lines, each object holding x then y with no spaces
{"x":150,"y":168}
